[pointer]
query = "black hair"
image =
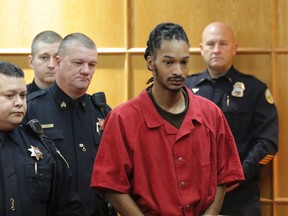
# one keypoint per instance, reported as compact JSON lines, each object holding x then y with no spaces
{"x":164,"y":31}
{"x":11,"y":70}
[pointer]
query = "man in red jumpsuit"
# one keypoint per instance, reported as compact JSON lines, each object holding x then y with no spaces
{"x":167,"y":151}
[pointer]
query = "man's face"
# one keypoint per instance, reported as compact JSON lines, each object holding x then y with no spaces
{"x":76,"y":69}
{"x":218,"y":48}
{"x":170,"y":65}
{"x":43,"y":62}
{"x":13,"y":101}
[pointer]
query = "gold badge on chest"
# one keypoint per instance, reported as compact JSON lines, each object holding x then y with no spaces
{"x":238,"y":89}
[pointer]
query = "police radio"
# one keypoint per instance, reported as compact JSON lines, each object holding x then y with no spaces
{"x":34,"y":127}
{"x":99,"y":101}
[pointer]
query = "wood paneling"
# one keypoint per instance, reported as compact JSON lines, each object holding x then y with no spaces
{"x":281,"y":190}
{"x":22,"y":62}
{"x":110,"y":77}
{"x":22,"y":20}
{"x":282,"y":27}
{"x":258,"y":64}
{"x":194,"y":15}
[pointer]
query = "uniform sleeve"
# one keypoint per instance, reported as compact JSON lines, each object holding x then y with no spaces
{"x":113,"y":164}
{"x":264,"y":144}
{"x":229,"y":166}
{"x":64,"y":199}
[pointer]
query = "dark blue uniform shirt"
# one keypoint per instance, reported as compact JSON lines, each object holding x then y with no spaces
{"x":31,"y":187}
{"x":32,"y":87}
{"x":73,"y":126}
{"x":249,"y":110}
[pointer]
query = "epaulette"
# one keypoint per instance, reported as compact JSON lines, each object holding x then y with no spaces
{"x":36,"y":94}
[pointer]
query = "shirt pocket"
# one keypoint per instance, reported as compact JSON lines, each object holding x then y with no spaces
{"x":55,"y":135}
{"x":39,"y":181}
{"x":208,"y":179}
{"x":240,"y":113}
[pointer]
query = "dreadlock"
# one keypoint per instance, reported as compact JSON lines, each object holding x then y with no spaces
{"x":163,"y":31}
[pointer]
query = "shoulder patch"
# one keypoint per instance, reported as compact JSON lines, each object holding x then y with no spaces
{"x":36,"y":94}
{"x":269,"y":97}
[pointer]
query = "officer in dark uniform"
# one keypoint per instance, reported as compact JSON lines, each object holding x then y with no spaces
{"x":34,"y":179}
{"x":72,"y":118}
{"x":249,"y":109}
{"x":44,"y":50}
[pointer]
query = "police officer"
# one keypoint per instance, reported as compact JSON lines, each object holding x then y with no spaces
{"x":69,"y":116}
{"x":44,"y":50}
{"x":249,"y":109}
{"x":34,"y":180}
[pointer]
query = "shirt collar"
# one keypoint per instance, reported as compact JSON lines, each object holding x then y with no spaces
{"x":147,"y":107}
{"x":205,"y":76}
{"x":64,"y":101}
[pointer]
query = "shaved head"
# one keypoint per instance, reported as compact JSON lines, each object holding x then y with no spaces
{"x":218,"y":47}
{"x":218,"y":28}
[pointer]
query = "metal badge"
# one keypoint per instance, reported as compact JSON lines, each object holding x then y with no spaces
{"x":35,"y":152}
{"x":269,"y":97}
{"x":99,"y":125}
{"x":238,"y":89}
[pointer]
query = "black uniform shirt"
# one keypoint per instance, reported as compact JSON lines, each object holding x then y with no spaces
{"x":32,"y":87}
{"x":250,"y":111}
{"x":35,"y":181}
{"x":72,"y":125}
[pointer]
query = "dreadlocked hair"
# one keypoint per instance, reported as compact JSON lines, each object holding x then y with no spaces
{"x":164,"y":31}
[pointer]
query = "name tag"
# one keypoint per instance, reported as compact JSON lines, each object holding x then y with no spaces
{"x":47,"y":126}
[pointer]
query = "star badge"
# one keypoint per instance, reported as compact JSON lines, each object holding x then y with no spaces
{"x":35,"y":152}
{"x":99,"y":125}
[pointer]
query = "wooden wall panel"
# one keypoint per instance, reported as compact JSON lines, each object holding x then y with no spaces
{"x":257,"y":64}
{"x":281,"y":209}
{"x":110,"y":77}
{"x":140,"y":74}
{"x":22,"y":20}
{"x":196,"y":63}
{"x":282,"y":27}
{"x":22,"y":62}
{"x":282,"y":162}
{"x":194,"y":15}
{"x":267,"y":209}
